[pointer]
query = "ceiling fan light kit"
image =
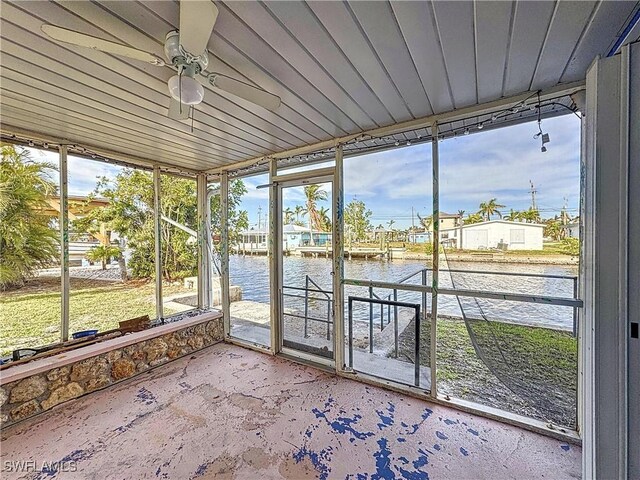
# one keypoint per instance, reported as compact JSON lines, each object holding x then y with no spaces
{"x":186,"y":89}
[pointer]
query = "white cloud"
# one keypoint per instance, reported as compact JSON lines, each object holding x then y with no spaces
{"x":497,"y":163}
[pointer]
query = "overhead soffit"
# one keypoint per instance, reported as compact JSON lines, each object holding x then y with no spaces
{"x":340,"y":69}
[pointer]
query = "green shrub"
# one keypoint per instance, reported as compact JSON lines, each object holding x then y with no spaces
{"x":27,"y":240}
{"x":570,"y":246}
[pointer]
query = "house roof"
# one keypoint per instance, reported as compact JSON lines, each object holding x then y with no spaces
{"x":341,"y":68}
{"x":481,"y":224}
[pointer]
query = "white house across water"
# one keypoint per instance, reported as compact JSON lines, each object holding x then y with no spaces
{"x":499,"y":234}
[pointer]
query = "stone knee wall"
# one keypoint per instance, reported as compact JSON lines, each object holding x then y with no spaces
{"x":35,"y":394}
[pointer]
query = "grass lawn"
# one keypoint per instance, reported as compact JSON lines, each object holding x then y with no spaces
{"x":530,"y":371}
{"x":554,"y":248}
{"x":30,"y":316}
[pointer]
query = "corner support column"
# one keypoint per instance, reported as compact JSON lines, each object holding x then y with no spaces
{"x":64,"y":244}
{"x":158,"y":242}
{"x":224,"y":252}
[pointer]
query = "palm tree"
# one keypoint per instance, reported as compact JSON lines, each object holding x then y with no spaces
{"x":299,"y":210}
{"x":426,"y":221}
{"x":531,"y":216}
{"x":102,"y":254}
{"x":288,"y":216}
{"x":514,"y":215}
{"x":390,"y":223}
{"x":473,"y":218}
{"x":27,"y":241}
{"x":490,"y":208}
{"x":314,"y":194}
{"x":325,"y":221}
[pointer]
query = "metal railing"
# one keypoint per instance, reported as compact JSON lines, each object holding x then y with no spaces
{"x":389,"y":304}
{"x":425,"y":289}
{"x":326,"y":297}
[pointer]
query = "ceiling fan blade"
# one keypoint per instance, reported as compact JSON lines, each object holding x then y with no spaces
{"x":246,"y":91}
{"x":87,"y":41}
{"x":197,"y":18}
{"x":177,"y":113}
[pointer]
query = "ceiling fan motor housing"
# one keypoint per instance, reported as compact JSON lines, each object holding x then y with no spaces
{"x":179,"y":57}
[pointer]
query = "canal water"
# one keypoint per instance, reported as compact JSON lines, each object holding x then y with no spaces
{"x":251,"y":273}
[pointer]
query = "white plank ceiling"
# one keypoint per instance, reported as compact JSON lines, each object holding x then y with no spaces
{"x":340,"y":68}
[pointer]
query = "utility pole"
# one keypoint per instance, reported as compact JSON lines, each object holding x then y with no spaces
{"x":413,"y":228}
{"x":259,"y":217}
{"x":533,"y":192}
{"x":564,"y":215}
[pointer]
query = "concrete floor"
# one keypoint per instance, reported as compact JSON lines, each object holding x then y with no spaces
{"x":228,"y":412}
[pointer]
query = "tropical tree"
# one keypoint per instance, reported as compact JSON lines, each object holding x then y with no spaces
{"x":390,"y":223}
{"x":531,"y":215}
{"x":130,"y":213}
{"x":514,"y":215}
{"x":102,"y":254}
{"x":314,"y":194}
{"x":288,"y":216}
{"x":357,"y":219}
{"x":325,"y":220}
{"x":299,"y":210}
{"x":553,"y":229}
{"x":426,"y":222}
{"x":473,"y":218}
{"x":490,"y":208}
{"x":27,"y":241}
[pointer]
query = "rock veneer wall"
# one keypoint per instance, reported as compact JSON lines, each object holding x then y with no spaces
{"x":34,"y":394}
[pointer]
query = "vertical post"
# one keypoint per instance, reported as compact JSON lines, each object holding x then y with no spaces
{"x":329,"y":307}
{"x":436,"y":255}
{"x":424,"y":294}
{"x":395,"y":322}
{"x":370,"y":321}
{"x":350,"y":333}
{"x":204,"y":239}
{"x":224,"y":252}
{"x":157,"y":212}
{"x":306,"y":306}
{"x":338,"y":264}
{"x":275,"y":255}
{"x":416,"y":359}
{"x":64,"y":244}
{"x":575,"y":309}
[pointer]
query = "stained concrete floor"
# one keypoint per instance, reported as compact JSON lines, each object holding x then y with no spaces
{"x":227,"y":412}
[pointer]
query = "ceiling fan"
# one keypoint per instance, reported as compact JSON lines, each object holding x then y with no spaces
{"x":185,"y":51}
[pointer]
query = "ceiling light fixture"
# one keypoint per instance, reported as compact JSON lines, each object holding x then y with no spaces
{"x":186,"y":89}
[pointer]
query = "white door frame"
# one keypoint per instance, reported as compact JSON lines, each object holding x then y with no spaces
{"x":279,"y":182}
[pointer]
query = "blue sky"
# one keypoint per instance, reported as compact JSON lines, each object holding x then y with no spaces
{"x":473,"y":168}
